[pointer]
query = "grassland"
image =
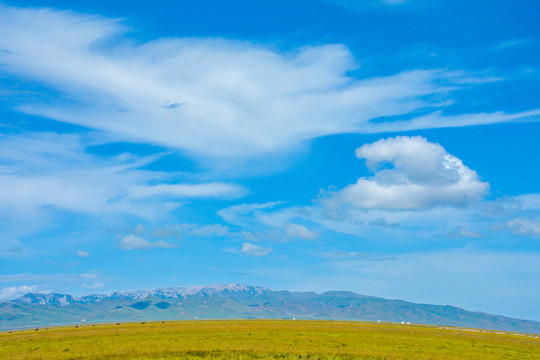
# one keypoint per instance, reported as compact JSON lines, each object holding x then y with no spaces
{"x":264,"y":339}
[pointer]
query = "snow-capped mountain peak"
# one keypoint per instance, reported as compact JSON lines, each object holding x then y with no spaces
{"x":164,"y":293}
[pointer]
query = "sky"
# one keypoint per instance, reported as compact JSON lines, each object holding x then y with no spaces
{"x":385,"y":147}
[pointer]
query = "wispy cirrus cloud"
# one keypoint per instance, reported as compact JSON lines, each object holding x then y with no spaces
{"x":524,"y":226}
{"x":214,"y":98}
{"x":47,"y":169}
{"x":181,"y":230}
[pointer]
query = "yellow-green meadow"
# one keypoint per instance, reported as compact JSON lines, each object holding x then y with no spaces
{"x":265,"y":339}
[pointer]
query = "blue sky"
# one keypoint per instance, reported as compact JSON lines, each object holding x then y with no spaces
{"x":384,"y":147}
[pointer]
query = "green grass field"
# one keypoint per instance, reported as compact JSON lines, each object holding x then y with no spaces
{"x":264,"y":339}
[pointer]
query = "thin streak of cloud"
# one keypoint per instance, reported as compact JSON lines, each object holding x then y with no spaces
{"x":45,"y":169}
{"x":133,"y":242}
{"x":254,"y":250}
{"x":82,"y":253}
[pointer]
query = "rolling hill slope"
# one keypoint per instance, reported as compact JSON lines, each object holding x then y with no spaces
{"x":238,"y":302}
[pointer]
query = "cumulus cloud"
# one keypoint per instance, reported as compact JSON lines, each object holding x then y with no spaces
{"x":16,"y":291}
{"x":418,"y":192}
{"x":254,"y":250}
{"x":211,"y":98}
{"x":421,"y":175}
{"x":133,"y":242}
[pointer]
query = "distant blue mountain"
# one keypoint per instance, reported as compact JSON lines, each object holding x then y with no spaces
{"x":235,"y":301}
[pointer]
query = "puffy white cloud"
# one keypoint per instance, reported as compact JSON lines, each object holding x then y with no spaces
{"x":133,"y":242}
{"x":211,"y":97}
{"x":254,"y":250}
{"x":422,"y":175}
{"x":16,"y":291}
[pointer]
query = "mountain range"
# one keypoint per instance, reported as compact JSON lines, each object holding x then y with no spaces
{"x":234,"y":301}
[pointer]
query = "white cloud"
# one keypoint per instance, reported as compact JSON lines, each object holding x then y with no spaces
{"x":93,"y":279}
{"x":211,"y":97}
{"x":271,"y":225}
{"x":437,"y":120}
{"x":341,"y":254}
{"x":300,"y":231}
{"x":510,"y":44}
{"x":82,"y":253}
{"x":16,"y":291}
{"x":241,"y":214}
{"x":96,"y":285}
{"x":133,"y":242}
{"x":525,"y":227}
{"x":465,"y":233}
{"x":254,"y":250}
{"x":525,"y":202}
{"x":44,"y":169}
{"x":180,"y":230}
{"x":139,"y":229}
{"x":187,"y":190}
{"x":89,"y":276}
{"x":422,"y":175}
